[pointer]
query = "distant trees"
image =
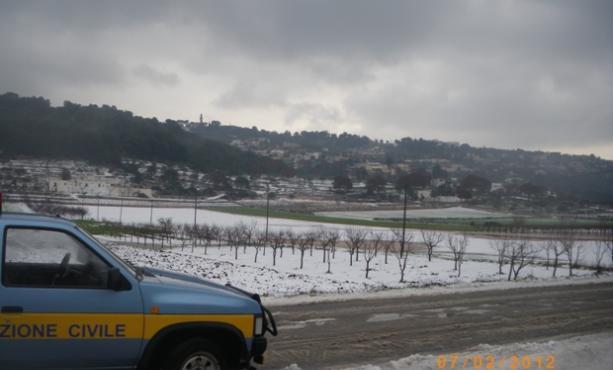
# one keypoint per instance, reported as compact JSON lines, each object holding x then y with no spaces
{"x":532,"y":190}
{"x":342,"y":184}
{"x":473,"y":185}
{"x":438,"y":172}
{"x":241,"y":182}
{"x":66,"y":174}
{"x":419,"y":178}
{"x":375,"y":184}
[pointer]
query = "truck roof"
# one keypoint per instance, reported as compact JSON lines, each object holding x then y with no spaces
{"x":33,"y":217}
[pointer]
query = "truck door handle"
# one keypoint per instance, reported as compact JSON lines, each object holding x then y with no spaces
{"x":12,"y":309}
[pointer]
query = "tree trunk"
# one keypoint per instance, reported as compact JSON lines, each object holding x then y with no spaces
{"x":511,"y":266}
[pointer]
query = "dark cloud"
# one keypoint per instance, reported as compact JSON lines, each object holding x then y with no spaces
{"x":534,"y":74}
{"x":155,"y":76}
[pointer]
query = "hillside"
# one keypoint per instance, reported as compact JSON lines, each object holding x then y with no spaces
{"x":32,"y":127}
{"x":315,"y":154}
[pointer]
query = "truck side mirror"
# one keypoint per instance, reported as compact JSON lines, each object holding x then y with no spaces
{"x":116,"y":281}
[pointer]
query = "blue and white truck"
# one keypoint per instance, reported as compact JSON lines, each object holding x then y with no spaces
{"x":68,"y":302}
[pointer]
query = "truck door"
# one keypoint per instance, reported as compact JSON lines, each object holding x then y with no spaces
{"x":57,"y":310}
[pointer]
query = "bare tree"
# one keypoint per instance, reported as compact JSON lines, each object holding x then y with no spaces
{"x":303,"y":242}
{"x":371,"y":247}
{"x":248,"y":233}
{"x":457,"y":245}
{"x":166,"y":228}
{"x":600,"y":251}
{"x":182,"y":233}
{"x":322,"y":235}
{"x":356,"y":237}
{"x":234,"y":237}
{"x":608,"y":240}
{"x":431,"y":239}
{"x":277,"y":239}
{"x":388,"y":243}
{"x":557,"y":250}
{"x":548,"y":247}
{"x":333,"y":236}
{"x":218,"y":234}
{"x":402,"y":252}
{"x":521,"y":254}
{"x":292,"y":239}
{"x":209,"y":236}
{"x":568,"y":242}
{"x":500,"y":246}
{"x":259,"y":241}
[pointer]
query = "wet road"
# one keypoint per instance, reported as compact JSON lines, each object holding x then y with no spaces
{"x":339,"y":334}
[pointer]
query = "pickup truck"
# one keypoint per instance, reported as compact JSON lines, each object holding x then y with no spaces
{"x":68,"y":302}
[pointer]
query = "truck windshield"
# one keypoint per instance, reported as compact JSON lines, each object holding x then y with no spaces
{"x":128,"y":265}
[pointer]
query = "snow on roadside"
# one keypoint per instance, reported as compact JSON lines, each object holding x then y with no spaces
{"x":286,"y":279}
{"x":589,"y":352}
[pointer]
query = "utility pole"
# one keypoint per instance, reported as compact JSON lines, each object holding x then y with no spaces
{"x":151,"y":213}
{"x":98,"y":210}
{"x":195,"y":220}
{"x":120,"y":209}
{"x":404,"y":221}
{"x":267,"y":212}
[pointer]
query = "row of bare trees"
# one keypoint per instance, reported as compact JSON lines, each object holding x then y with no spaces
{"x":362,"y":243}
{"x":561,"y":249}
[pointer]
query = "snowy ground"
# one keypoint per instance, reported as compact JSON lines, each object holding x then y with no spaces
{"x":589,"y":352}
{"x":287,"y":279}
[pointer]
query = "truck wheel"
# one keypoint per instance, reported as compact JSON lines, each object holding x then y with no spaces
{"x":195,"y":354}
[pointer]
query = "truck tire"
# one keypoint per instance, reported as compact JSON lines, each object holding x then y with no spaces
{"x":195,"y":354}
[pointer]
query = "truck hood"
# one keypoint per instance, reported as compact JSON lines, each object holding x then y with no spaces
{"x":181,"y":293}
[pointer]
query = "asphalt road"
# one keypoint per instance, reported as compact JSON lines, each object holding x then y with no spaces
{"x":339,"y":334}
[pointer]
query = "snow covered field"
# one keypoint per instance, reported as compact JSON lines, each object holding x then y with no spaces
{"x":450,"y":212}
{"x":589,"y":352}
{"x":287,"y":279}
{"x":478,"y":247}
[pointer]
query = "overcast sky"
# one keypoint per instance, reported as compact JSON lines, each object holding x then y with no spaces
{"x":529,"y":74}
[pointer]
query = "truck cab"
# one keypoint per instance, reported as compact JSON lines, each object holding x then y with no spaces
{"x":68,"y":302}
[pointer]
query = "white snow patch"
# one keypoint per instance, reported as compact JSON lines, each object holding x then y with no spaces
{"x":292,"y":325}
{"x":381,"y":317}
{"x":589,"y":352}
